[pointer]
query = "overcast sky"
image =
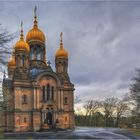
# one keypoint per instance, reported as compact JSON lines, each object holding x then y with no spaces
{"x":102,"y":38}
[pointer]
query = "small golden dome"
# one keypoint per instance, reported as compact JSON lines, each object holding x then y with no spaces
{"x":35,"y":34}
{"x":21,"y":44}
{"x":12,"y":62}
{"x":61,"y":52}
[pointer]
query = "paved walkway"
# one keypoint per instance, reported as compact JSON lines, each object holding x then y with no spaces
{"x":78,"y":133}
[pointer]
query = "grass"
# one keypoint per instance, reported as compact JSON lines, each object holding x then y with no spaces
{"x":135,"y":131}
{"x":1,"y":133}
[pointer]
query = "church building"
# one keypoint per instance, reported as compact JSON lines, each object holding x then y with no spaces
{"x":36,"y":97}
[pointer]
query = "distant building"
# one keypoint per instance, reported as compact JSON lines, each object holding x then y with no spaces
{"x":38,"y":97}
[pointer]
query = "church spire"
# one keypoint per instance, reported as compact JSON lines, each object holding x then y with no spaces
{"x":61,"y":40}
{"x":35,"y":18}
{"x":61,"y":52}
{"x":21,"y":32}
{"x":35,"y":34}
{"x":21,"y":44}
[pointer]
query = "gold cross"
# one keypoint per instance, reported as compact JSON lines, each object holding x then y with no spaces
{"x":61,"y":35}
{"x":21,"y":25}
{"x":35,"y":10}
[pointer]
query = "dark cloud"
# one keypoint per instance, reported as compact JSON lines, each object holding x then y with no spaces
{"x":102,"y":39}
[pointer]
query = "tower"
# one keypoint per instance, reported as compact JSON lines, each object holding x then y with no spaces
{"x":36,"y":40}
{"x":61,"y":61}
{"x":22,"y":51}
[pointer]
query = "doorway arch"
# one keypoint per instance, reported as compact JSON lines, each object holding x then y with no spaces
{"x":49,"y":118}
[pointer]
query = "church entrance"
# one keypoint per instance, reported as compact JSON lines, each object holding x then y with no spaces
{"x":49,"y":118}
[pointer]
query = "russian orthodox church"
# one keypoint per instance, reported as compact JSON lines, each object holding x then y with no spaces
{"x":37,"y":97}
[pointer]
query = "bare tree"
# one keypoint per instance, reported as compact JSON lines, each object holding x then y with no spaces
{"x":121,"y":109}
{"x":135,"y":91}
{"x":5,"y":100}
{"x":88,"y":106}
{"x":108,"y":106}
{"x":5,"y":38}
{"x":91,"y":106}
{"x":95,"y":106}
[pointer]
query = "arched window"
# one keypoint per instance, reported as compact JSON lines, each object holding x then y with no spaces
{"x":23,"y":60}
{"x":52,"y":93}
{"x":64,"y":66}
{"x":65,"y":100}
{"x":25,"y":120}
{"x":43,"y":93}
{"x":18,"y":60}
{"x":24,"y":99}
{"x":38,"y":52}
{"x":60,"y":67}
{"x":66,"y":119}
{"x":48,"y":91}
{"x":42,"y":54}
{"x":32,"y":53}
{"x":35,"y":53}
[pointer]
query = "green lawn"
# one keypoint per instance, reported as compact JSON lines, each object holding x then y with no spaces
{"x":1,"y":133}
{"x":135,"y":131}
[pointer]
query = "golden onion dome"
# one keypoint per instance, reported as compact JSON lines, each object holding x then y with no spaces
{"x":12,"y":62}
{"x":21,"y":44}
{"x":61,"y":52}
{"x":35,"y":34}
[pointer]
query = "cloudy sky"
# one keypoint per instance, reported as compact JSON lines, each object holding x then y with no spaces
{"x":102,"y":38}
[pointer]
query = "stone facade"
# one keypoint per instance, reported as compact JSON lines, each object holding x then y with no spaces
{"x":37,"y":97}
